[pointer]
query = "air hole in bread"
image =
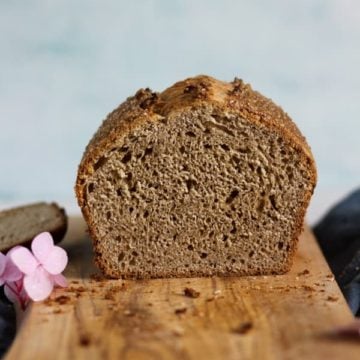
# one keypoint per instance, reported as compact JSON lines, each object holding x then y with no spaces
{"x":91,"y":187}
{"x":232,"y":196}
{"x":190,"y":183}
{"x":126,"y":158}
{"x":101,"y":162}
{"x":148,"y":151}
{"x":190,"y":133}
{"x":233,"y":230}
{"x":261,"y":205}
{"x":244,"y":150}
{"x":225,"y":147}
{"x":273,"y":202}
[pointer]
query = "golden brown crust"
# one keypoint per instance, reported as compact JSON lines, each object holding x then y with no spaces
{"x":232,"y":98}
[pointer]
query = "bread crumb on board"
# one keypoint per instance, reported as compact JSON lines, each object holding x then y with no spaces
{"x":84,"y":340}
{"x":180,"y":311}
{"x":243,"y":328}
{"x":192,"y":293}
{"x":304,"y":272}
{"x":308,"y":288}
{"x":63,"y":299}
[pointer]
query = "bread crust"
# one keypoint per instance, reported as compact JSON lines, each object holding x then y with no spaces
{"x":234,"y":98}
{"x":57,"y":233}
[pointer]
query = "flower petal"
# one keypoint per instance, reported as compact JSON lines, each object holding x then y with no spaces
{"x":60,"y":280}
{"x":42,"y":245}
{"x":2,"y":263}
{"x":56,"y":261}
{"x":12,"y":272}
{"x":10,"y":293}
{"x":38,"y":285}
{"x":23,"y":259}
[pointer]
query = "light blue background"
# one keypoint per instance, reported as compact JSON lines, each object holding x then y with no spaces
{"x":65,"y":64}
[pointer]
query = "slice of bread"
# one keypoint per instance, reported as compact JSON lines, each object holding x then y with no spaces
{"x":18,"y":226}
{"x":206,"y":178}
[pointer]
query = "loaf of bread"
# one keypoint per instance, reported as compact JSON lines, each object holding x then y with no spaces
{"x":206,"y":178}
{"x":18,"y":226}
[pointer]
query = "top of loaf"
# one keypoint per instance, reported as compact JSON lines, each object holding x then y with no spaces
{"x":235,"y":97}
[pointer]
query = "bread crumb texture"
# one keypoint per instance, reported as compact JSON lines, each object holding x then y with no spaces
{"x":206,"y":178}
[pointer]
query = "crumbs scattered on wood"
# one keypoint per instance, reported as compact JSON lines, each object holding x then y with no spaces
{"x":109,"y":295}
{"x":331,"y":277}
{"x":75,"y":282}
{"x":97,"y":277}
{"x":180,"y":311}
{"x":57,"y":311}
{"x":85,"y":340}
{"x":304,"y":272}
{"x":192,"y":293}
{"x":124,"y":286}
{"x":243,"y":328}
{"x":62,"y":300}
{"x":308,"y":288}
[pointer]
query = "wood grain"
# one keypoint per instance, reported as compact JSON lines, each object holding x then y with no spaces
{"x":264,"y":317}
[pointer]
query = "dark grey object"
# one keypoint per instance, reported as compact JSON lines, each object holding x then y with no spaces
{"x":7,"y":324}
{"x":338,"y":234}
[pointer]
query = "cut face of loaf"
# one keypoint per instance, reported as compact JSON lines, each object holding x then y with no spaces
{"x":206,"y":178}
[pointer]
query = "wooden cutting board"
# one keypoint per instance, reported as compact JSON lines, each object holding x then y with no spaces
{"x":264,"y":317}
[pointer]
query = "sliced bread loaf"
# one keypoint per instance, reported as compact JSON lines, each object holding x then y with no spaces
{"x":206,"y":178}
{"x":18,"y":226}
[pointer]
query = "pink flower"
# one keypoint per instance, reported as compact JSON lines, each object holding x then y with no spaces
{"x":42,"y":268}
{"x":15,"y":292}
{"x":8,"y":271}
{"x":12,"y":279}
